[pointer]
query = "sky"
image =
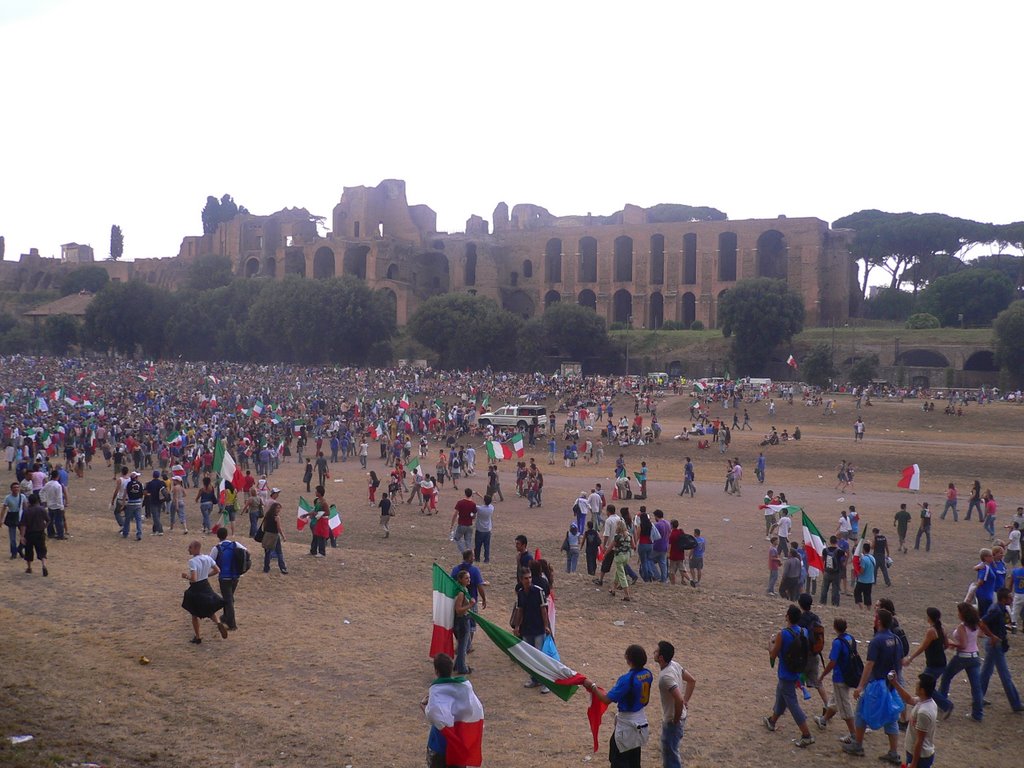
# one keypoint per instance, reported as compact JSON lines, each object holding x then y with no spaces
{"x":131,"y":113}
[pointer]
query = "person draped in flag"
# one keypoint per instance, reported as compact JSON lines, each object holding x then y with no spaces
{"x":456,"y":718}
{"x":318,"y":519}
{"x":631,"y":692}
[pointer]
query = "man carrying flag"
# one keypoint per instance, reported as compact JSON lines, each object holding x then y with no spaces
{"x":456,"y":719}
{"x":632,"y":692}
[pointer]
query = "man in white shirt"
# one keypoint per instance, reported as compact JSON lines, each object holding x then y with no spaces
{"x":674,"y":702}
{"x":54,"y":498}
{"x":594,"y":501}
{"x":845,"y":528}
{"x":782,"y":529}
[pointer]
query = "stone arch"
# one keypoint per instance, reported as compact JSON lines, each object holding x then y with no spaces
{"x":675,"y":369}
{"x":354,"y":261}
{"x":656,"y":311}
{"x":551,"y":297}
{"x":623,"y":259}
{"x":295,"y":263}
{"x":469,"y":268}
{"x":982,"y":360}
{"x":323,"y":263}
{"x":922,"y":358}
{"x":527,"y":268}
{"x":588,"y":260}
{"x":689,"y":310}
{"x":622,"y":306}
{"x":727,"y":249}
{"x":771,"y":255}
{"x":392,"y":273}
{"x":518,"y":303}
{"x":690,"y":259}
{"x":553,"y":261}
{"x":657,"y":259}
{"x":270,"y":267}
{"x":587,"y":298}
{"x":252,"y":267}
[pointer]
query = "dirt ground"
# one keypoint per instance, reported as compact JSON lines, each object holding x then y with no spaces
{"x":330,"y":661}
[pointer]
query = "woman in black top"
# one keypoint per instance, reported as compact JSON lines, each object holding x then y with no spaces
{"x":976,"y":502}
{"x":933,"y":646}
{"x":273,"y":536}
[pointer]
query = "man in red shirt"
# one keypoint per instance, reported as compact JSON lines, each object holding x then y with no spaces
{"x":462,"y":522}
{"x":676,"y":554}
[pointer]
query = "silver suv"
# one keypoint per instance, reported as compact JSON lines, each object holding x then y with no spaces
{"x":518,"y":416}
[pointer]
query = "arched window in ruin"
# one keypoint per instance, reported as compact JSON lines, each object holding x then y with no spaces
{"x":392,"y":301}
{"x":354,"y":262}
{"x":551,"y":297}
{"x":689,"y":310}
{"x":587,"y":298}
{"x":252,"y":267}
{"x":588,"y":260}
{"x":527,"y":268}
{"x":690,"y":259}
{"x":469,"y":270}
{"x":922,"y":358}
{"x":727,"y":257}
{"x":392,"y":273}
{"x":982,"y":360}
{"x":657,"y":311}
{"x":771,"y":255}
{"x":295,"y":263}
{"x":514,"y":278}
{"x":518,"y":303}
{"x":270,"y":267}
{"x":553,"y":261}
{"x":657,"y":260}
{"x":355,"y":229}
{"x":622,"y":306}
{"x":323,"y":263}
{"x":624,"y":259}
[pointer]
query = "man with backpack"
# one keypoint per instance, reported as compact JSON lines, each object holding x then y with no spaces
{"x":832,"y":573}
{"x":885,"y":654}
{"x":846,"y":667}
{"x":790,"y":648}
{"x":816,"y":634}
{"x":233,"y":560}
{"x":134,"y":492}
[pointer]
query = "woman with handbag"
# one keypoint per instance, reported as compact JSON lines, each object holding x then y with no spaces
{"x":273,"y":537}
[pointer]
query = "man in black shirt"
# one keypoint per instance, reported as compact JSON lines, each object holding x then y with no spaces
{"x":880,"y":549}
{"x":33,"y":532}
{"x":530,"y":618}
{"x":996,"y":646}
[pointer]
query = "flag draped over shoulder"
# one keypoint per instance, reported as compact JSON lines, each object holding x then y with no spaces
{"x":910,"y":478}
{"x":454,"y":709}
{"x":813,"y":544}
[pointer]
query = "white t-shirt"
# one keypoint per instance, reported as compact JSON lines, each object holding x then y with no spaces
{"x":671,"y":677}
{"x":202,"y":565}
{"x":1014,"y":541}
{"x":611,"y":524}
{"x":923,"y":717}
{"x":785,"y":524}
{"x":484,"y":517}
{"x":845,"y":526}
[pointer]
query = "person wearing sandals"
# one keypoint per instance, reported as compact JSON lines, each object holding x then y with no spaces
{"x":273,"y":537}
{"x":200,"y":600}
{"x":623,"y":548}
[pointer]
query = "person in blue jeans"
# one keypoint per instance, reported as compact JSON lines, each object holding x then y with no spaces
{"x":463,"y":603}
{"x":933,"y":646}
{"x":134,"y":492}
{"x":674,"y":702}
{"x":785,"y":690}
{"x":994,"y":621}
{"x":965,"y":640}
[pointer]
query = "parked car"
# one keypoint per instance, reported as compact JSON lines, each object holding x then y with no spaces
{"x":518,"y":416}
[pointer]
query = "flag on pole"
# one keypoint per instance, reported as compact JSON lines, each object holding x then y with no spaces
{"x":174,"y":439}
{"x":814,"y":545}
{"x":297,"y":425}
{"x":377,"y":431}
{"x":226,"y":469}
{"x":445,"y":589}
{"x":454,"y":709}
{"x":412,"y":465}
{"x":404,"y":402}
{"x":257,"y":409}
{"x":486,"y":402}
{"x":305,"y":508}
{"x":497,"y":451}
{"x":791,"y":362}
{"x":517,"y":445}
{"x":859,"y":551}
{"x":699,"y":386}
{"x":911,"y":478}
{"x":280,"y":448}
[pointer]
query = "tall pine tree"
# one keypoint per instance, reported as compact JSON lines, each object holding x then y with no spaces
{"x":116,"y":242}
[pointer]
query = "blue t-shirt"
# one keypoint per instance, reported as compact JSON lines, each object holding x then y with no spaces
{"x":1018,"y":580}
{"x":886,"y":651}
{"x":840,"y":654}
{"x":987,"y":577}
{"x":698,"y":551}
{"x":867,"y":569}
{"x":788,"y":636}
{"x":999,"y":566}
{"x":475,"y":578}
{"x":632,"y":691}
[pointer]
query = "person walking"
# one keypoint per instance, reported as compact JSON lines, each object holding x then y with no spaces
{"x":32,"y":528}
{"x":530,"y":618}
{"x":840,"y":659}
{"x":675,"y":702}
{"x":924,"y":528}
{"x":994,"y":621}
{"x":933,"y":646}
{"x":950,"y":502}
{"x":975,"y":503}
{"x":788,"y":650}
{"x":880,"y":548}
{"x":631,"y":693}
{"x":200,"y":600}
{"x":273,"y":538}
{"x":224,"y":554}
{"x":964,"y":641}
{"x":902,"y":520}
{"x":688,"y":475}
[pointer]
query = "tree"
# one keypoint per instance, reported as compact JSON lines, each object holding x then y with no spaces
{"x":978,"y":294}
{"x":864,"y":370}
{"x":1009,"y":337}
{"x":817,"y":368}
{"x":60,"y":332}
{"x":889,"y":304}
{"x":574,"y":331}
{"x":116,"y":242}
{"x":922,"y":321}
{"x":209,"y":271}
{"x":87,"y":277}
{"x":127,"y":316}
{"x":759,"y":314}
{"x":216,"y":212}
{"x":466,"y":331}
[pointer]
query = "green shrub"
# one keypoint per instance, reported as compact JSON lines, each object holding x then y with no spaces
{"x":696,"y":325}
{"x":921,"y":321}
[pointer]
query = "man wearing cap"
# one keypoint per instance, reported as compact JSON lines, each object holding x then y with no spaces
{"x":134,"y":493}
{"x":153,"y":499}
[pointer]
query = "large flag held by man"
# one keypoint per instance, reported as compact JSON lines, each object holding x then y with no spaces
{"x":814,"y":545}
{"x":305,"y":508}
{"x":911,"y":478}
{"x":498,"y":451}
{"x":858,"y":552}
{"x":226,"y":470}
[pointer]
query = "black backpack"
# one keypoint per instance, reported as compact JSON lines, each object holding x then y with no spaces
{"x":833,"y":560}
{"x":854,"y":667}
{"x":687,"y":541}
{"x":902,"y":637}
{"x":798,"y":652}
{"x":242,"y":560}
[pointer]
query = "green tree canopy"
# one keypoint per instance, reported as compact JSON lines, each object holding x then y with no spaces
{"x":60,"y":332}
{"x":574,"y":331}
{"x":816,"y":367}
{"x":664,"y":213}
{"x":208,"y":271}
{"x":466,"y":331}
{"x":1009,"y":333}
{"x":889,"y":304}
{"x":127,"y":316}
{"x":87,"y":277}
{"x":759,"y":314}
{"x":116,"y":242}
{"x":979,"y":294}
{"x":215,"y":212}
{"x":864,"y":370}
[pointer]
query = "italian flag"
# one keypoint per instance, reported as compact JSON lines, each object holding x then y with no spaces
{"x":213,"y":401}
{"x":71,"y":400}
{"x":859,"y":549}
{"x":699,"y":386}
{"x":442,"y":640}
{"x":305,"y":508}
{"x":412,"y":465}
{"x":814,"y":545}
{"x":454,"y":709}
{"x":335,"y":521}
{"x":911,"y":478}
{"x":174,"y":439}
{"x":297,"y":425}
{"x":257,"y":409}
{"x":404,"y":402}
{"x":497,"y":450}
{"x":517,"y":445}
{"x":791,"y":362}
{"x":226,"y":469}
{"x":280,"y":448}
{"x":377,"y":431}
{"x":777,"y":508}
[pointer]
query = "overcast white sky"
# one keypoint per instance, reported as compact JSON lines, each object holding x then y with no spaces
{"x":133,"y":112}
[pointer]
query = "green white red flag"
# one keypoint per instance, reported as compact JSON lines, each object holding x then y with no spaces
{"x":305,"y":508}
{"x":517,"y":445}
{"x":497,"y":450}
{"x":859,"y":551}
{"x":226,"y":469}
{"x":335,"y":521}
{"x":814,"y":545}
{"x":454,"y":709}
